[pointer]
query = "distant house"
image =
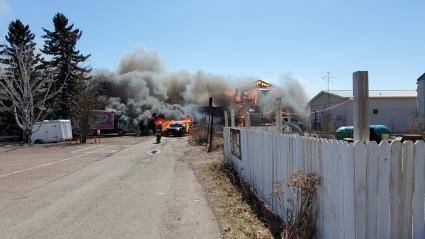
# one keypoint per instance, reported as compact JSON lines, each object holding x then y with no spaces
{"x":396,"y":109}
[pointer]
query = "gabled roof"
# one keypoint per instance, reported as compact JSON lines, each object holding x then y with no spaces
{"x":325,"y":92}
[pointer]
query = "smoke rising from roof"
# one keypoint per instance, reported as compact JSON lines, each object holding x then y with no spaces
{"x":292,"y":93}
{"x":142,"y":88}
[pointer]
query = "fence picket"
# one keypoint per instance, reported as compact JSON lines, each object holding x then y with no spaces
{"x":348,"y":188}
{"x":331,"y":196}
{"x":360,"y":188}
{"x":270,"y":167}
{"x":407,"y":189}
{"x":288,"y":166}
{"x":395,"y":181}
{"x":280,"y":171}
{"x":383,"y":198}
{"x":341,"y":154}
{"x":372,"y":188}
{"x":419,"y":191}
{"x":317,"y":162}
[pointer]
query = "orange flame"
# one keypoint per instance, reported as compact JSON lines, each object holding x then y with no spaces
{"x":242,"y":99}
{"x":160,"y":120}
{"x":187,"y":121}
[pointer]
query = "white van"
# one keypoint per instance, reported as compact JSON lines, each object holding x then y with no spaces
{"x":51,"y":131}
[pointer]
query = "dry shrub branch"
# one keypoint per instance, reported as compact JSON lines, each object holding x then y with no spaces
{"x":299,"y":213}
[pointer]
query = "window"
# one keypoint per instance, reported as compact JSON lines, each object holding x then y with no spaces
{"x":375,"y":111}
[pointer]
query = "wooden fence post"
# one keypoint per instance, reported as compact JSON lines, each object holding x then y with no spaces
{"x":226,"y":119}
{"x":211,"y":128}
{"x":232,"y":118}
{"x":278,"y":112}
{"x":247,"y":119}
{"x":361,"y":106}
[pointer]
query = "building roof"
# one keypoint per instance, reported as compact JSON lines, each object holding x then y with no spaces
{"x":422,"y":77}
{"x":377,"y":93}
{"x":372,"y":94}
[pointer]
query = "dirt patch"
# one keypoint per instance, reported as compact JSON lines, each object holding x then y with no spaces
{"x":239,"y":211}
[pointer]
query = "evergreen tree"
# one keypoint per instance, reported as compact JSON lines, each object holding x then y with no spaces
{"x":65,"y":61}
{"x":19,"y":38}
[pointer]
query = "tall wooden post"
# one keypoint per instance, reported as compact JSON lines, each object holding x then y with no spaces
{"x":247,"y":118}
{"x":289,"y":122}
{"x":278,"y":111}
{"x":361,"y":106}
{"x":232,"y":118}
{"x":226,"y":119}
{"x":211,"y":129}
{"x":421,"y":104}
{"x":206,"y":127}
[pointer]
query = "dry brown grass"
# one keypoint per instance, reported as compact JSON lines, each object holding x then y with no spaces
{"x":239,"y":210}
{"x":198,"y":136}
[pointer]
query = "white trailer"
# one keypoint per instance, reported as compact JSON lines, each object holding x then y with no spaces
{"x":51,"y":131}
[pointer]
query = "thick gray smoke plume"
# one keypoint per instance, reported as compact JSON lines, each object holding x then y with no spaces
{"x":142,"y":88}
{"x":292,"y":93}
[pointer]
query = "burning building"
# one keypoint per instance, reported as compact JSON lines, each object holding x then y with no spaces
{"x":143,"y":90}
{"x":248,"y":98}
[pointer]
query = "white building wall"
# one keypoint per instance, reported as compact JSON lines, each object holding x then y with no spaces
{"x":339,"y":116}
{"x":399,"y":114}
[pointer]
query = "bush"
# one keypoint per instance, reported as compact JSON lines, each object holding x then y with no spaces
{"x":300,"y":217}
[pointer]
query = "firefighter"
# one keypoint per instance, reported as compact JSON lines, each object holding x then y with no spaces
{"x":158,"y":133}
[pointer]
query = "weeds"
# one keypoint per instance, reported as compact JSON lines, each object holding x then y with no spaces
{"x":300,"y":218}
{"x":199,"y":136}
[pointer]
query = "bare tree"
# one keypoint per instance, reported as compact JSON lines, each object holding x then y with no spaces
{"x":82,"y":113}
{"x":23,"y":93}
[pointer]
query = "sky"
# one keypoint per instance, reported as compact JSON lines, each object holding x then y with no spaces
{"x":249,"y":38}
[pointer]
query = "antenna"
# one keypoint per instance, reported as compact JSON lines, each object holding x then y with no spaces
{"x":327,"y":77}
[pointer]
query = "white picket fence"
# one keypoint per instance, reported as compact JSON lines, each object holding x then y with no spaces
{"x":365,"y":191}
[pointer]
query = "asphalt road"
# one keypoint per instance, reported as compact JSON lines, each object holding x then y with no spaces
{"x":123,"y":188}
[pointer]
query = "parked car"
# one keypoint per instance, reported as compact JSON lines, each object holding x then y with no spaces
{"x":377,"y":133}
{"x":300,"y":124}
{"x":175,"y":128}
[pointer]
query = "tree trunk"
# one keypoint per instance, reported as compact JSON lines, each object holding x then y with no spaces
{"x":83,"y":137}
{"x":27,"y":131}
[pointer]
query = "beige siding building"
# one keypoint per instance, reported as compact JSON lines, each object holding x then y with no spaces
{"x":397,"y":109}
